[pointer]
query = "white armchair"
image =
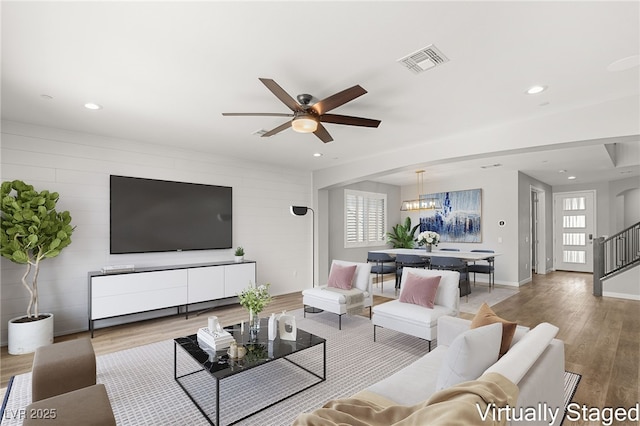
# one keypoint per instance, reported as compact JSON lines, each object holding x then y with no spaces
{"x":417,"y":320}
{"x":335,"y":302}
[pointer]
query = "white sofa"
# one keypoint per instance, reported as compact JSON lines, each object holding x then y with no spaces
{"x":319,"y":297}
{"x":418,"y":320}
{"x":534,"y":362}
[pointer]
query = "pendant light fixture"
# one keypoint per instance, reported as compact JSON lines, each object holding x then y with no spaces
{"x":421,"y":202}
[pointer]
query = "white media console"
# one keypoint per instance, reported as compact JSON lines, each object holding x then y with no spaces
{"x":148,"y":289}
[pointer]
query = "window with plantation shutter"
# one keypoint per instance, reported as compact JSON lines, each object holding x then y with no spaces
{"x":365,"y":218}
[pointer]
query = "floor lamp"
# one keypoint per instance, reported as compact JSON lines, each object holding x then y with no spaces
{"x":302,"y":211}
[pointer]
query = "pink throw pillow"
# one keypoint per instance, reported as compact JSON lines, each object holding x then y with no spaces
{"x":420,"y":290}
{"x":341,"y":276}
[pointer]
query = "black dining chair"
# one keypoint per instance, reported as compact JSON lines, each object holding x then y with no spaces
{"x":410,"y":261}
{"x":383,"y":264}
{"x":486,"y":267}
{"x":454,"y":264}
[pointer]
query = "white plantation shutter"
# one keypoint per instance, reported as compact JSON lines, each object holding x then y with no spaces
{"x":365,"y":218}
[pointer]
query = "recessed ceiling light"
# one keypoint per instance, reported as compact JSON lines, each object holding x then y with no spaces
{"x":562,"y":171}
{"x":91,"y":105}
{"x":571,"y":177}
{"x":624,"y":63}
{"x":534,"y":90}
{"x":317,"y":154}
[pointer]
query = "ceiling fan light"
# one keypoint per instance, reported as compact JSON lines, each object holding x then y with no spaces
{"x":304,"y":124}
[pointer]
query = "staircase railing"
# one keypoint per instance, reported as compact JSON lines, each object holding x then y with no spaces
{"x":614,"y":255}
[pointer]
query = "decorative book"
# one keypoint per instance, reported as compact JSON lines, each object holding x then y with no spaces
{"x":216,"y":340}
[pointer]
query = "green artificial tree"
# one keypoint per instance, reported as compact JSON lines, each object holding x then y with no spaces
{"x":32,"y":230}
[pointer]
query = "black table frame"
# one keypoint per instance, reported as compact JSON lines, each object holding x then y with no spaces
{"x":322,"y":378}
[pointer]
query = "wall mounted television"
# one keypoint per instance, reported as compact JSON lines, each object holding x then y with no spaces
{"x":148,"y":215}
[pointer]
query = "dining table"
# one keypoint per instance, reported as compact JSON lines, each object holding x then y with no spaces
{"x":468,"y":256}
{"x":465,"y":256}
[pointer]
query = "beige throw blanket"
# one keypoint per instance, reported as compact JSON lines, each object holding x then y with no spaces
{"x":354,"y":299}
{"x":470,"y":403}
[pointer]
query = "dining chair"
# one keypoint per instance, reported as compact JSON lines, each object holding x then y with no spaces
{"x":410,"y":261}
{"x":454,"y":264}
{"x":486,"y":267}
{"x":383,"y":264}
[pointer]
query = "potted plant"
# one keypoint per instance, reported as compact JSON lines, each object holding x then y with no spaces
{"x":254,"y":299}
{"x":239,"y":254}
{"x":402,"y":235}
{"x":31,"y":231}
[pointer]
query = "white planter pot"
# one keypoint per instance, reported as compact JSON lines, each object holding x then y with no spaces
{"x":239,"y":258}
{"x":26,"y":337}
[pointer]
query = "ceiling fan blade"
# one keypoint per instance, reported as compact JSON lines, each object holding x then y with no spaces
{"x":281,"y":94}
{"x":278,"y":129}
{"x":254,"y":114}
{"x":338,"y":99}
{"x":348,"y":120}
{"x":322,"y":134}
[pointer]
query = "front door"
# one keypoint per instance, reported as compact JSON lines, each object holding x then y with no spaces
{"x":574,"y":231}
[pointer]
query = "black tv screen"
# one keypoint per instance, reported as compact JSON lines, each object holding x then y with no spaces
{"x":155,"y":215}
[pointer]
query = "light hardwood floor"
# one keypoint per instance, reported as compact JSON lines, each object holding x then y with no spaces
{"x":601,"y":335}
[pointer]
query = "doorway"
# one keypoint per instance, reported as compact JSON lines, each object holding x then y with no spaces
{"x":573,"y":230}
{"x":537,"y":236}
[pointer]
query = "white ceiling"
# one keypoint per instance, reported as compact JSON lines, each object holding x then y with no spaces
{"x":165,"y":71}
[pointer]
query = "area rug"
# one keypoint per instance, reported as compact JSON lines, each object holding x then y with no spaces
{"x":479,"y":295}
{"x":142,"y":390}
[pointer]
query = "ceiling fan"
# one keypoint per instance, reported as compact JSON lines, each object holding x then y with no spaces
{"x":308,"y":118}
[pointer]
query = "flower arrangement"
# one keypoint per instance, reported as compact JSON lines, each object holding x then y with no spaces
{"x":428,"y":237}
{"x":255,"y":297}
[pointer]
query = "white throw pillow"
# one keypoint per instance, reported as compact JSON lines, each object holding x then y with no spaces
{"x":469,"y":355}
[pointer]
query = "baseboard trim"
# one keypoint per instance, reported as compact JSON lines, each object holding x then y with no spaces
{"x":621,"y":295}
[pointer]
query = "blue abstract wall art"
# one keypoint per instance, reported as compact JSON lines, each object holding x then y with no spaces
{"x":458,"y":221}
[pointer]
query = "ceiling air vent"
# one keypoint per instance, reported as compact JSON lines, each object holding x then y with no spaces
{"x":424,"y":59}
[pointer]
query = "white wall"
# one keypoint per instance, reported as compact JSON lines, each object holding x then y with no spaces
{"x":623,"y":286}
{"x":78,"y":167}
{"x":631,"y":201}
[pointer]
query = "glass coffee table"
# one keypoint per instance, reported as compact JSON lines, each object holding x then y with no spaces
{"x":270,"y":372}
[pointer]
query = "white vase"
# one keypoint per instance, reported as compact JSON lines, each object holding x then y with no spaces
{"x":26,"y":337}
{"x":239,"y":259}
{"x":273,"y":327}
{"x":287,"y":327}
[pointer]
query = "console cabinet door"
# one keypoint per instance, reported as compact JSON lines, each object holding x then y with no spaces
{"x":238,"y":277}
{"x":206,"y":283}
{"x":114,"y":295}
